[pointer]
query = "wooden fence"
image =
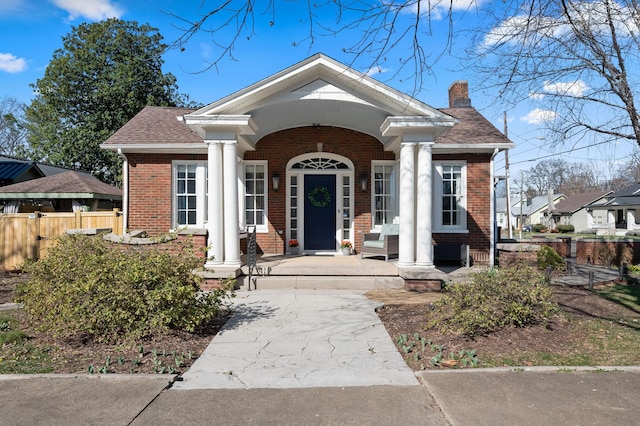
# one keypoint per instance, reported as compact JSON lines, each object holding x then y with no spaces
{"x":28,"y":235}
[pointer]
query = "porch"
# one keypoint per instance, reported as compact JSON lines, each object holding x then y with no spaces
{"x":337,"y":272}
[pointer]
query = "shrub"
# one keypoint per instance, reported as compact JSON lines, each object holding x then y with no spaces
{"x":87,"y":288}
{"x":564,"y":229}
{"x":538,"y":227}
{"x":494,"y":299}
{"x":547,"y":256}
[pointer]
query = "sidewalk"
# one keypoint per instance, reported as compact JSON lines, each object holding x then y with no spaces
{"x":300,"y":339}
{"x":537,"y":396}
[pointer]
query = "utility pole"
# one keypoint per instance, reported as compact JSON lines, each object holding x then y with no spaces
{"x":521,"y":221}
{"x":506,"y":169}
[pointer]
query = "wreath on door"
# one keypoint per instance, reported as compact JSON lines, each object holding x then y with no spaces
{"x":319,"y":196}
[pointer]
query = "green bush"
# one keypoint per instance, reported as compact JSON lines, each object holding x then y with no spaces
{"x":547,"y":256}
{"x":87,"y":288}
{"x":538,"y":227}
{"x":493,"y":299}
{"x":564,"y":229}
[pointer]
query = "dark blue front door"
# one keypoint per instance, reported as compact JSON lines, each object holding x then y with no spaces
{"x":320,"y":212}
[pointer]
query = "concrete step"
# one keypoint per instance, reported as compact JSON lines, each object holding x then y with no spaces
{"x":322,"y":282}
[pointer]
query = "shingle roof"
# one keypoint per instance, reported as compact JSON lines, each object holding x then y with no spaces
{"x":155,"y":125}
{"x":575,"y":202}
{"x":471,"y":128}
{"x":627,"y":196}
{"x":633,"y":189}
{"x":71,"y":182}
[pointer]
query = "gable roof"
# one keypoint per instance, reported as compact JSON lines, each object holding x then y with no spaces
{"x":10,"y":170}
{"x":40,"y":168}
{"x":627,"y":196}
{"x":538,"y":203}
{"x":70,"y":184}
{"x":573,"y":203}
{"x":317,"y":91}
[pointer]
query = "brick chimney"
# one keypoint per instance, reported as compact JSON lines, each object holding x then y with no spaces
{"x":459,"y":95}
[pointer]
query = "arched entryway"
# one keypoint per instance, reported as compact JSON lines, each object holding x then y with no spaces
{"x":320,"y":201}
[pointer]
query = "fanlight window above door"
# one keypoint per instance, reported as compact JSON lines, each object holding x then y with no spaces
{"x":320,"y":163}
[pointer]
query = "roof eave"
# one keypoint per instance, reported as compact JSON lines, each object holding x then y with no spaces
{"x":454,"y":148}
{"x":58,"y":195}
{"x":165,"y":148}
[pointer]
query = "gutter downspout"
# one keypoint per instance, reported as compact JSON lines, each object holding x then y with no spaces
{"x":125,"y":191}
{"x":492,"y":211}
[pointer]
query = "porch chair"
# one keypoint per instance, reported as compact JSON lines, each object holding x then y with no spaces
{"x":384,"y":243}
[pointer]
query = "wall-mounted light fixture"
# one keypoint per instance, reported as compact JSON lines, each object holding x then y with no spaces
{"x":275,"y":180}
{"x":364,"y":180}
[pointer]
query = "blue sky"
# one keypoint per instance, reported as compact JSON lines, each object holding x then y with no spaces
{"x":30,"y":31}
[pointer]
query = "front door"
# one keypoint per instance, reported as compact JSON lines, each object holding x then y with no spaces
{"x":320,"y":212}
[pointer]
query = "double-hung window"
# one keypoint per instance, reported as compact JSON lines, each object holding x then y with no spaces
{"x":384,"y":193}
{"x":255,"y":195}
{"x":450,"y":190}
{"x":189,"y":194}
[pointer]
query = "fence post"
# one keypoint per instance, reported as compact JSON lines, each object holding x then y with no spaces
{"x":117,"y":225}
{"x":78,"y":219}
{"x":33,"y":236}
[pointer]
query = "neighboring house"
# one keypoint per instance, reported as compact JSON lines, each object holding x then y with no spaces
{"x":572,"y":210}
{"x":501,"y":215}
{"x":61,"y":192}
{"x":617,"y":212}
{"x":318,"y":153}
{"x":15,"y":170}
{"x":534,"y":210}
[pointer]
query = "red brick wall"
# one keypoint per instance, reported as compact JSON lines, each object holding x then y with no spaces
{"x":150,"y":191}
{"x":595,"y":251}
{"x":279,"y":147}
{"x":150,"y":185}
{"x":479,"y":221}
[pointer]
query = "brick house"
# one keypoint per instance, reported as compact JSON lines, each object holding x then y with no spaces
{"x":318,"y":153}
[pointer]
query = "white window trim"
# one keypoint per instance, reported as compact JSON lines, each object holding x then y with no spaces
{"x":201,"y":193}
{"x":395,"y":189}
{"x":437,"y":198}
{"x":264,"y":228}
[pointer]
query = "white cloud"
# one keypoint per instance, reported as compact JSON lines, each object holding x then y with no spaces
{"x":440,"y":8}
{"x":572,"y":88}
{"x":376,"y":70}
{"x":95,"y":10}
{"x":10,"y":63}
{"x":539,"y":116}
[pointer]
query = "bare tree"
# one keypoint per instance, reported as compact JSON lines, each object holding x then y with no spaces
{"x":578,"y":59}
{"x":382,"y":29}
{"x":12,"y":131}
{"x":559,"y":175}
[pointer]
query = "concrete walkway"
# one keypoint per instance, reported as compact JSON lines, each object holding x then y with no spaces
{"x":300,"y":339}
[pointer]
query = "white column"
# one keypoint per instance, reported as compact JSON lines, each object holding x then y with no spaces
{"x":215,"y":205}
{"x":424,"y":206}
{"x":231,"y":225}
{"x":406,"y":255}
{"x":589,"y":219}
{"x":631,"y":219}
